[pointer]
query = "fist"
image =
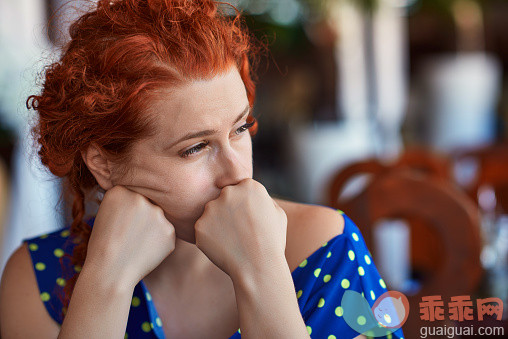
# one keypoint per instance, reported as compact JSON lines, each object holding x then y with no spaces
{"x":243,"y":229}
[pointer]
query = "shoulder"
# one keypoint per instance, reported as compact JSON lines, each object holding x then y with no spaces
{"x":20,"y":300}
{"x":309,"y":227}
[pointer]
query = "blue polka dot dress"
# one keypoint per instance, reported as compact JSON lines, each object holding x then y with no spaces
{"x":343,"y":263}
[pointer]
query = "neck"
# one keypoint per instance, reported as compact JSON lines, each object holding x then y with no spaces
{"x":184,"y":262}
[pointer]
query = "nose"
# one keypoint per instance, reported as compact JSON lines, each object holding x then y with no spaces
{"x":233,"y":167}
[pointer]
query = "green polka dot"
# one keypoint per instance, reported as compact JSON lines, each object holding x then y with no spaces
{"x":351,"y":255}
{"x":44,"y":236}
{"x":361,"y":271}
{"x":151,"y":325}
{"x":355,"y":236}
{"x":317,"y":271}
{"x":329,"y":254}
{"x":340,"y":211}
{"x":77,"y":268}
{"x":367,"y":259}
{"x":158,"y":321}
{"x":299,"y":294}
{"x":148,"y":296}
{"x":388,"y":336}
{"x":125,"y":336}
{"x":339,"y":311}
{"x":45,"y":296}
{"x":61,"y":282}
{"x":135,"y":301}
{"x":65,"y":233}
{"x":303,"y":264}
{"x":331,"y":336}
{"x":40,"y":266}
{"x":382,"y":283}
{"x":239,"y":331}
{"x":324,"y":245}
{"x":309,"y":330}
{"x":345,"y":283}
{"x":146,"y":327}
{"x":58,"y":252}
{"x":33,"y":247}
{"x":361,"y":320}
{"x":321,"y":303}
{"x":372,"y":295}
{"x":327,"y":278}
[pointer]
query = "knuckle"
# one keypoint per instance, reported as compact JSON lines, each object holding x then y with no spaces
{"x":114,"y":195}
{"x":112,"y":192}
{"x":158,"y":210}
{"x":255,"y":185}
{"x":226,"y":191}
{"x":170,"y":231}
{"x":138,"y":200}
{"x":207,"y":206}
{"x":197,"y":225}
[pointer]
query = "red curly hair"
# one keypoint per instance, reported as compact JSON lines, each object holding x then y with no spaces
{"x":118,"y":54}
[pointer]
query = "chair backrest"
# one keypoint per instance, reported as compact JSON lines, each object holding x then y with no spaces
{"x":442,"y":208}
{"x":418,"y":160}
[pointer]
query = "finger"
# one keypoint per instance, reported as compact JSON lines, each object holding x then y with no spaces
{"x":148,"y":193}
{"x":134,"y":190}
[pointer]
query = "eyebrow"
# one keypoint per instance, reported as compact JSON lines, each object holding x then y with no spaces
{"x":206,"y":132}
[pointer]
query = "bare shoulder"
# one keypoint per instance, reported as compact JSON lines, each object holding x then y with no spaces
{"x":20,"y":301}
{"x":309,"y":227}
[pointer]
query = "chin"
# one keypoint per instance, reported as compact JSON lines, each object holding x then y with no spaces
{"x":184,"y":228}
{"x":185,"y":231}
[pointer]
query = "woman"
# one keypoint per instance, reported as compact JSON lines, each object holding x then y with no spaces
{"x":151,"y":102}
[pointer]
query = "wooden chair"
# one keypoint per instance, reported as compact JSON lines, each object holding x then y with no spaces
{"x":444,"y":225}
{"x":426,"y":248}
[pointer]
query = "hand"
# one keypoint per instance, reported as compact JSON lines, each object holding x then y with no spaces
{"x":243,"y":229}
{"x":130,"y":236}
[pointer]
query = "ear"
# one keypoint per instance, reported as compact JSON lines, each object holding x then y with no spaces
{"x":99,"y":165}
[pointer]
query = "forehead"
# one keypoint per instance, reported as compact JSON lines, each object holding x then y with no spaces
{"x":193,"y":105}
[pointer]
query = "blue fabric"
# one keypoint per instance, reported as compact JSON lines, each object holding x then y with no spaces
{"x":320,"y":281}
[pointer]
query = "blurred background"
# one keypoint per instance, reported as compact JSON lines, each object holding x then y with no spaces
{"x":394,"y":111}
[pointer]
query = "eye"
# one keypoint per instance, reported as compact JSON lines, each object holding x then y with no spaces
{"x":245,"y":127}
{"x":194,"y":149}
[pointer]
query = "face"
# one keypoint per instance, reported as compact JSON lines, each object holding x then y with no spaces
{"x":200,"y":145}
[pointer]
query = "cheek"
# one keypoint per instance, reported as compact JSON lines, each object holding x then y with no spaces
{"x":190,"y":184}
{"x":189,"y":190}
